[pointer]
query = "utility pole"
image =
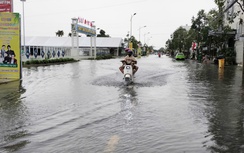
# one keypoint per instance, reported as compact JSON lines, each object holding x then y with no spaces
{"x":140,"y":32}
{"x":130,"y":43}
{"x":23,"y":5}
{"x":131,"y":24}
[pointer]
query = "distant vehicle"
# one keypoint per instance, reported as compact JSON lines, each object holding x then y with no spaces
{"x":159,"y":54}
{"x":180,"y":56}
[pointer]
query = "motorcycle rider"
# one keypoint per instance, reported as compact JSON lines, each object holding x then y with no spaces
{"x":129,"y":59}
{"x":159,"y":54}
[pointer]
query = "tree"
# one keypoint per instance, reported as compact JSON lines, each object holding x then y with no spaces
{"x":220,"y":32}
{"x":178,"y":39}
{"x":213,"y":22}
{"x":102,"y":34}
{"x":200,"y":25}
{"x":207,"y":29}
{"x":134,"y":42}
{"x":60,"y":33}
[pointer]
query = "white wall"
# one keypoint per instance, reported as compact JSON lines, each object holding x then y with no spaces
{"x":239,"y":52}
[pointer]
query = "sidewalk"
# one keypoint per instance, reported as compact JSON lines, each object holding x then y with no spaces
{"x":2,"y":81}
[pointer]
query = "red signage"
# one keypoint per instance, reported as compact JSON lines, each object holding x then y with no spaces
{"x":85,"y":21}
{"x":6,"y":5}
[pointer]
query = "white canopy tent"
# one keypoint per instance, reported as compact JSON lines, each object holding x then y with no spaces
{"x":55,"y":44}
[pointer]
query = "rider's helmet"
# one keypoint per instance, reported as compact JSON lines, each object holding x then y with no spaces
{"x":129,"y":52}
{"x":127,"y":49}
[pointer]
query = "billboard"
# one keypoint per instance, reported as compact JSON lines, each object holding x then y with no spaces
{"x":84,"y":26}
{"x":85,"y":30}
{"x":10,"y":64}
{"x":6,"y":5}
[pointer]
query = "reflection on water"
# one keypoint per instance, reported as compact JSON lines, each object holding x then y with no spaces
{"x":128,"y":102}
{"x":13,"y":115}
{"x":223,"y":107}
{"x":221,"y":73}
{"x":226,"y":119}
{"x":173,"y":106}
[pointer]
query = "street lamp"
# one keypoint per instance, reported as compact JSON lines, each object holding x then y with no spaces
{"x":24,"y":24}
{"x":131,"y":24}
{"x":148,"y":39}
{"x":145,"y":36}
{"x":140,"y":32}
{"x":95,"y":37}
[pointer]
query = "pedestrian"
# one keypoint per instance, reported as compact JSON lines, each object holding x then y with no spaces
{"x":205,"y":59}
{"x":193,"y":55}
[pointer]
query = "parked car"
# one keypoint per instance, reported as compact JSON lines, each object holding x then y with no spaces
{"x":180,"y":56}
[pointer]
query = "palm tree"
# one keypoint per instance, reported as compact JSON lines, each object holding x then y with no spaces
{"x":102,"y":34}
{"x":60,"y":33}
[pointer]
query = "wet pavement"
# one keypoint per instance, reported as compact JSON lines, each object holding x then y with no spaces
{"x":85,"y":107}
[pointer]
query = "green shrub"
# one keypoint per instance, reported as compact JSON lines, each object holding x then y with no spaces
{"x":27,"y":62}
{"x":46,"y":61}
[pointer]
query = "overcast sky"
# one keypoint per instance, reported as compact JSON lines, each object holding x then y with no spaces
{"x":161,"y":17}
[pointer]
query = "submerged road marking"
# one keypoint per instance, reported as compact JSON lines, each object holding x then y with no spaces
{"x":113,"y":141}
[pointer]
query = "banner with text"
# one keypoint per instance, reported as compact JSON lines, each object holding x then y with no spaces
{"x":6,"y":5}
{"x":10,"y":46}
{"x":85,"y":30}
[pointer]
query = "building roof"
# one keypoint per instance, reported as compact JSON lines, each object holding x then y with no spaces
{"x":66,"y":42}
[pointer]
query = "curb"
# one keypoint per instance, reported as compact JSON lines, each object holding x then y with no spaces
{"x":4,"y":81}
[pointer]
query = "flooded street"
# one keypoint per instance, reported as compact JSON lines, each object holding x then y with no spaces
{"x":85,"y":107}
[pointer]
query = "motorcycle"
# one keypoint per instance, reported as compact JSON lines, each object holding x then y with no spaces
{"x":128,"y":72}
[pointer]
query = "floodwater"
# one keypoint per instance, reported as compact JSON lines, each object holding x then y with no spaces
{"x":85,"y":107}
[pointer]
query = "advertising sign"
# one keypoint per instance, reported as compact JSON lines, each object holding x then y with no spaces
{"x":85,"y":30}
{"x":6,"y":6}
{"x":130,"y":45}
{"x":84,"y":26}
{"x":10,"y":63}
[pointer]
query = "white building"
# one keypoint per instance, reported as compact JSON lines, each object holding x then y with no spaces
{"x":56,"y":47}
{"x":236,"y":13}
